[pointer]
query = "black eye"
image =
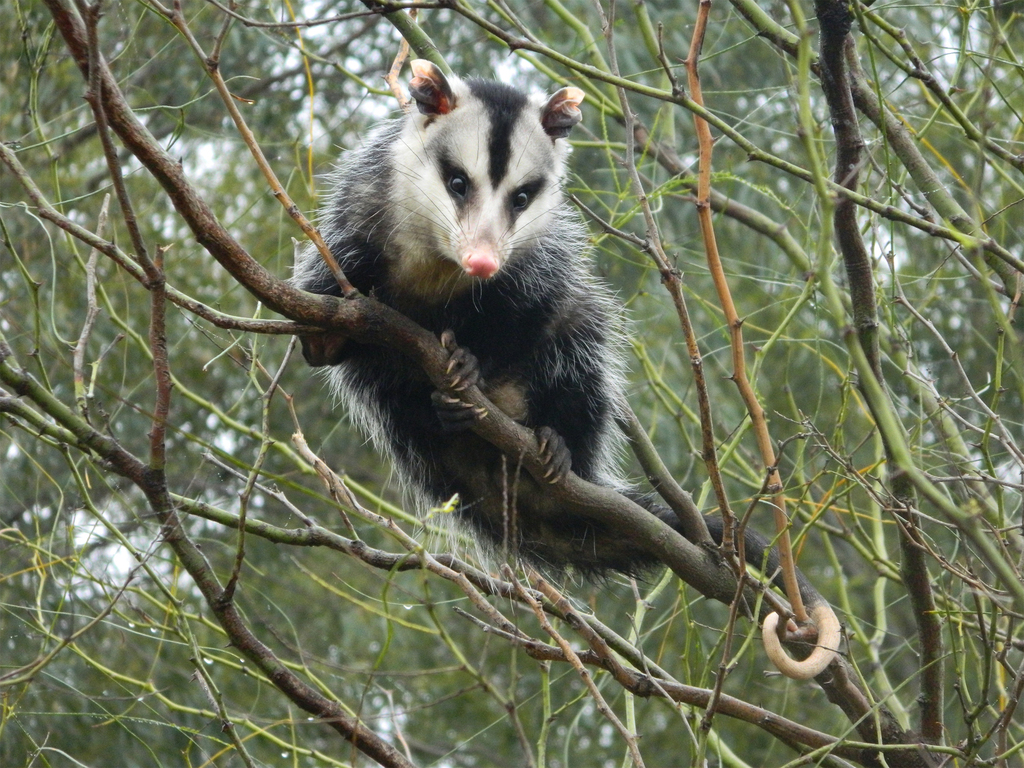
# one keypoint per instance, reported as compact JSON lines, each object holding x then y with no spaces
{"x":458,"y":184}
{"x":520,"y":200}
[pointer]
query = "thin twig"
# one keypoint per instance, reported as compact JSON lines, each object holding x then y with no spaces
{"x":124,"y":261}
{"x":574,"y":660}
{"x":391,"y":78}
{"x":734,"y":323}
{"x":212,"y":66}
{"x":671,"y":279}
{"x":91,"y":313}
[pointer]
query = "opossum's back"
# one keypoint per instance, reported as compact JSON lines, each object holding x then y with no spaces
{"x":356,"y":212}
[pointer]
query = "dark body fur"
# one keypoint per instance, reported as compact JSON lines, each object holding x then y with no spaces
{"x":522,"y":342}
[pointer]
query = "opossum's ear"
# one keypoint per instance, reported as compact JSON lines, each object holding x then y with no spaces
{"x":430,"y":89}
{"x":562,"y":112}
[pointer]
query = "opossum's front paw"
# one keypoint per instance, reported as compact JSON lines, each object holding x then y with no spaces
{"x":554,"y":453}
{"x":455,"y":414}
{"x":463,"y":369}
{"x":461,"y":372}
{"x":323,"y":349}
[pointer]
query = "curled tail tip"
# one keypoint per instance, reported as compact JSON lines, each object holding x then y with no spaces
{"x":824,"y":653}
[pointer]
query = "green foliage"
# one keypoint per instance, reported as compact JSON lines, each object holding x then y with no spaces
{"x":110,"y":653}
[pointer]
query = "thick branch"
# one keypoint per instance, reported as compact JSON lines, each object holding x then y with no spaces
{"x":837,"y":47}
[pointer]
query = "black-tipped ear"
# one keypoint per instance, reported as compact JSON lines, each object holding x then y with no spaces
{"x":562,"y":112}
{"x":430,"y":89}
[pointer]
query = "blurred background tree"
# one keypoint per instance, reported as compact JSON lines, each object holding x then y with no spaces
{"x":911,"y":525}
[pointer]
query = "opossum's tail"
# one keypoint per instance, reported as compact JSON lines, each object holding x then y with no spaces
{"x":760,"y":553}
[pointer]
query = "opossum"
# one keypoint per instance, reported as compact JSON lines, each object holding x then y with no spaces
{"x":455,"y":216}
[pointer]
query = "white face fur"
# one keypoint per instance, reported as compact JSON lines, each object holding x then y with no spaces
{"x":474,"y":186}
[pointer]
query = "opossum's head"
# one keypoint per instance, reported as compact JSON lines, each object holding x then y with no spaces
{"x":478,"y":172}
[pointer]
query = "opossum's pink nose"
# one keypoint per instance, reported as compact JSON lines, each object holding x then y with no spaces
{"x":481,"y":262}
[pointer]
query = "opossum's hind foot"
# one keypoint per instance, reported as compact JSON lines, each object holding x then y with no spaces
{"x":462,"y":372}
{"x":554,"y":453}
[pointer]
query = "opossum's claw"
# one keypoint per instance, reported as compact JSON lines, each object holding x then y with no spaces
{"x":455,"y":415}
{"x":463,"y":369}
{"x":554,"y":453}
{"x":448,"y":340}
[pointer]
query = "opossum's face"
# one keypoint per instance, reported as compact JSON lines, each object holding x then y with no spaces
{"x":478,"y":175}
